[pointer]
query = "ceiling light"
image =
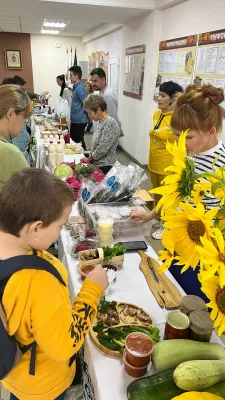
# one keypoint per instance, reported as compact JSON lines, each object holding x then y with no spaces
{"x":50,"y":31}
{"x":54,"y":24}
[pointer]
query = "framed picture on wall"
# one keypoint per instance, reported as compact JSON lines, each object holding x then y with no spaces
{"x":13,"y":59}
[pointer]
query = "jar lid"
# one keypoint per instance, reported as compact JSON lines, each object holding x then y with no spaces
{"x":178,"y":320}
{"x":192,"y":303}
{"x":201,"y":322}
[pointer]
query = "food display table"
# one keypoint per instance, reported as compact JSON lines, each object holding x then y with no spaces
{"x":105,"y":377}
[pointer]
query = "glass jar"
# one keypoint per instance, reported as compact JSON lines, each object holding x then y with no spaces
{"x":177,"y":324}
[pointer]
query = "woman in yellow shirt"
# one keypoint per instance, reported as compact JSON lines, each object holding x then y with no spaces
{"x":160,"y":133}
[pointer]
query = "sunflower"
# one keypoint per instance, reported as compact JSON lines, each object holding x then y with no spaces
{"x":166,"y":255}
{"x":212,"y":254}
{"x":216,"y":294}
{"x":201,"y":188}
{"x":185,"y":228}
{"x":180,"y":181}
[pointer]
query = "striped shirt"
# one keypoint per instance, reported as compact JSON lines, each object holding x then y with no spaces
{"x":203,"y":163}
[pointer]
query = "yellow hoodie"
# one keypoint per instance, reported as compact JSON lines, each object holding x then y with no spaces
{"x":159,"y":157}
{"x":38,"y":307}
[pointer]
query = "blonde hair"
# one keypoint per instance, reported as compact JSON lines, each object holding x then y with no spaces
{"x":12,"y":96}
{"x":198,"y":109}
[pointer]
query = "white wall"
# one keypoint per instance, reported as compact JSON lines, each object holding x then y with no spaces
{"x":136,"y":115}
{"x":49,"y":61}
{"x":191,"y":17}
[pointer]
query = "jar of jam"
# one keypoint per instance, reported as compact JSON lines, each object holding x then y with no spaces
{"x":177,"y":324}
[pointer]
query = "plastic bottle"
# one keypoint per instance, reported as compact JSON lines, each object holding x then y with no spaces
{"x":59,"y":153}
{"x":62,"y":141}
{"x":51,"y":154}
{"x":57,"y":137}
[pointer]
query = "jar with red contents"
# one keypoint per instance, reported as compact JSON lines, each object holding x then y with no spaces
{"x":177,"y":325}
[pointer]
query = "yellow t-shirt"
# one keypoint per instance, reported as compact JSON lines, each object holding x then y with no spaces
{"x":159,"y":158}
{"x":38,"y":307}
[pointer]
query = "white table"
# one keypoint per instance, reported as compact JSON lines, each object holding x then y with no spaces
{"x":108,"y":377}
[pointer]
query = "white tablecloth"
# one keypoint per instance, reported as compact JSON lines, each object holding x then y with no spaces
{"x":108,"y":377}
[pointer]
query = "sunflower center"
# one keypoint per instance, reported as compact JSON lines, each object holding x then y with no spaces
{"x":220,"y":299}
{"x":221,"y":257}
{"x":195,"y":230}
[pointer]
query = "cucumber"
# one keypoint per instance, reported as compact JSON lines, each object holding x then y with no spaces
{"x":162,"y":387}
{"x":199,"y":374}
{"x":170,"y":353}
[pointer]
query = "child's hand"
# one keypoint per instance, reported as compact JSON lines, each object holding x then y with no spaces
{"x":140,"y":217}
{"x":99,"y":276}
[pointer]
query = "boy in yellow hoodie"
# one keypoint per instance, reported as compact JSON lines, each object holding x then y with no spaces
{"x":34,"y":206}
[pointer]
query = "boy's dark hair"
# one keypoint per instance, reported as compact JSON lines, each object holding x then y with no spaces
{"x":93,"y":102}
{"x":32,"y":195}
{"x":76,"y":69}
{"x":18,"y":80}
{"x":98,"y":71}
{"x":8,"y":81}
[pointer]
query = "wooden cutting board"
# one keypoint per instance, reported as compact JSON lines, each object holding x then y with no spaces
{"x":164,"y":291}
{"x":124,"y":321}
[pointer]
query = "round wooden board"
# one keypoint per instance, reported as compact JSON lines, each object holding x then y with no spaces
{"x":114,"y":353}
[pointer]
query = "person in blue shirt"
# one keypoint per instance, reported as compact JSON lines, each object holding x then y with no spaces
{"x":79,"y":117}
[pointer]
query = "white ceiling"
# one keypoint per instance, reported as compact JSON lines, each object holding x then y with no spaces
{"x":27,"y":16}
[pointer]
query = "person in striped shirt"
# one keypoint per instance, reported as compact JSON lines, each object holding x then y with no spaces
{"x":198,"y":111}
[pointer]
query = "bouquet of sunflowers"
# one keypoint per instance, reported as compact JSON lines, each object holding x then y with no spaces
{"x":194,"y":235}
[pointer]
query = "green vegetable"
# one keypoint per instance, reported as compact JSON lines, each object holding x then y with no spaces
{"x":199,"y":374}
{"x":118,"y":335}
{"x":155,"y":387}
{"x":99,"y":327}
{"x":116,"y":250}
{"x":83,"y":170}
{"x":108,"y":345}
{"x":63,"y":171}
{"x":105,"y":305}
{"x":162,"y":387}
{"x":170,"y":353}
{"x":151,"y":331}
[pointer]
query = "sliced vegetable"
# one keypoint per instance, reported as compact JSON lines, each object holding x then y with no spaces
{"x":199,"y":374}
{"x":170,"y":353}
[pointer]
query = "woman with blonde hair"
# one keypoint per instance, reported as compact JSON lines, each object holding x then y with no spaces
{"x":15,"y":108}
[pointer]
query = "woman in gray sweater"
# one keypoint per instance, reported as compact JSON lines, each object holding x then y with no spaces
{"x":106,"y":136}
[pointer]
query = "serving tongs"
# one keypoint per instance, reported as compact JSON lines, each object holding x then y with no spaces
{"x":164,"y":291}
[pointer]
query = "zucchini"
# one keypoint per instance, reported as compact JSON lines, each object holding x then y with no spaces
{"x":170,"y":353}
{"x":199,"y":374}
{"x":162,"y":387}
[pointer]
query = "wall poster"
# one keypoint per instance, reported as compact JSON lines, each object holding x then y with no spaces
{"x":176,"y":61}
{"x":134,"y":71}
{"x":98,"y":59}
{"x":210,"y":67}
